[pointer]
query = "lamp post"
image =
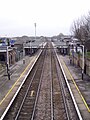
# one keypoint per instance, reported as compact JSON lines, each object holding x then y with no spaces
{"x":7,"y":59}
{"x":7,"y":64}
{"x":82,"y":60}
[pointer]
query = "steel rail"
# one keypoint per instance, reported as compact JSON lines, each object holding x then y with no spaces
{"x":52,"y":108}
{"x":27,"y":93}
{"x":38,"y":91}
{"x":62,"y":88}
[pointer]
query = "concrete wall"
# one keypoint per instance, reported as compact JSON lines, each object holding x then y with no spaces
{"x":77,"y":60}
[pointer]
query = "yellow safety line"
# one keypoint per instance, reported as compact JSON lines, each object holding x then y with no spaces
{"x":14,"y":85}
{"x":77,"y":88}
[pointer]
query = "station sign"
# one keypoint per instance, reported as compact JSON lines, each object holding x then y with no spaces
{"x":6,"y":41}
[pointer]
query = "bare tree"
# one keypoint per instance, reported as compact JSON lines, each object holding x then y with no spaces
{"x":77,"y":29}
{"x":81,"y":28}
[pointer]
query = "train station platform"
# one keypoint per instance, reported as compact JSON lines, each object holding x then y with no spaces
{"x":18,"y":73}
{"x":79,"y":87}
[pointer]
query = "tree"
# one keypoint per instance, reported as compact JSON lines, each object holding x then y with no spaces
{"x":81,"y":28}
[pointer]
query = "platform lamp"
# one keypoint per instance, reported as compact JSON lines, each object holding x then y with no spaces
{"x":82,"y":59}
{"x":7,"y":63}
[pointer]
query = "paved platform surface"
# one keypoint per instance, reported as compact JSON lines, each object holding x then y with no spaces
{"x":80,"y":88}
{"x":18,"y":73}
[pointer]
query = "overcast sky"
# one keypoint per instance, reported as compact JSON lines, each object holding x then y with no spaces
{"x":17,"y":17}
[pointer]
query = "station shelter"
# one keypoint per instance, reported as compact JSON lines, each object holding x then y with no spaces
{"x":63,"y":49}
{"x":3,"y":55}
{"x":30,"y":51}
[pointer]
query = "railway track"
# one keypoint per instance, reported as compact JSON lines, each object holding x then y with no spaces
{"x":52,"y":104}
{"x":44,"y":95}
{"x":23,"y":105}
{"x":65,"y":104}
